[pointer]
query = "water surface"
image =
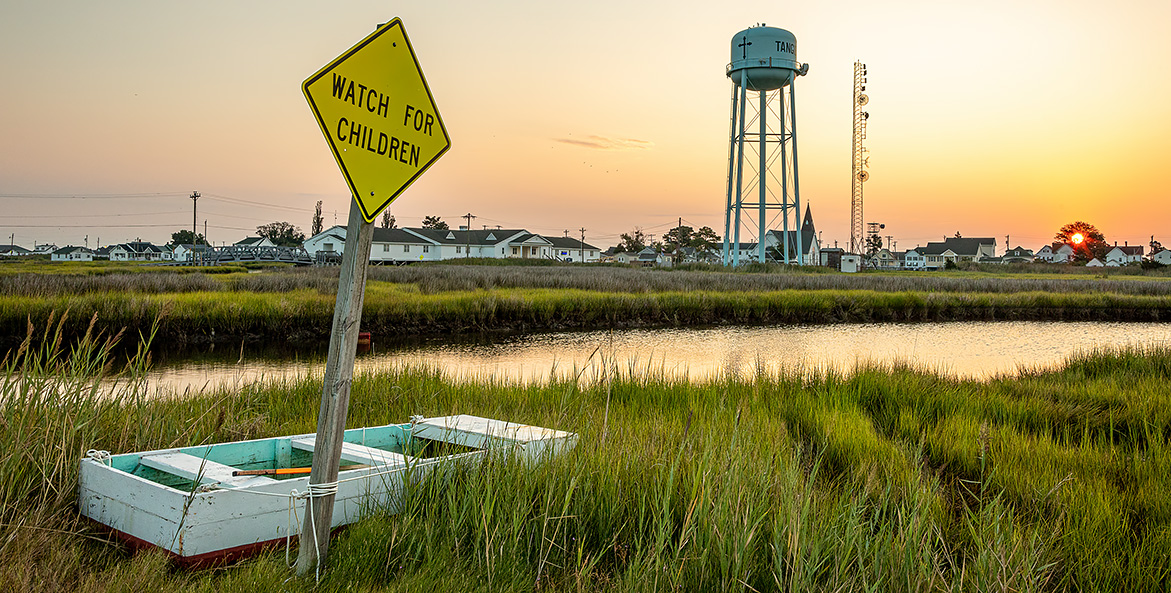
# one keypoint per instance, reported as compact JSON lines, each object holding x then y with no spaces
{"x":966,"y":349}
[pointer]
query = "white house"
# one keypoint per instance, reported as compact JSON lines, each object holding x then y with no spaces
{"x":403,"y":245}
{"x":810,"y":245}
{"x":914,"y":260}
{"x":958,"y":249}
{"x":1057,"y":253}
{"x":1044,"y":254}
{"x":573,"y":250}
{"x":255,"y":242}
{"x":45,"y":248}
{"x":136,"y":251}
{"x":1163,"y":257}
{"x":72,"y":253}
{"x":1095,"y":263}
{"x":1121,"y":255}
{"x":185,"y":252}
{"x":13,"y":250}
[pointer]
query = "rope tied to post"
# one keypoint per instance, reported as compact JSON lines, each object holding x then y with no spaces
{"x":313,"y":491}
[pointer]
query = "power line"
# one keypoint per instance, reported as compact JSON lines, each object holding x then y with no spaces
{"x":89,"y":196}
{"x":58,"y":216}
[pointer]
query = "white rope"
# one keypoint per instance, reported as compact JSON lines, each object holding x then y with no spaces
{"x":102,"y":457}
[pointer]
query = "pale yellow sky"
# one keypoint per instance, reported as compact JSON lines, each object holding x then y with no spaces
{"x":988,"y":118}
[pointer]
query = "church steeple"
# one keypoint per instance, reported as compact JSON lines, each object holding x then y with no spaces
{"x":807,"y":224}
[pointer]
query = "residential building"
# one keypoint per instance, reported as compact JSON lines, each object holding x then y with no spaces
{"x":1121,"y":255}
{"x":1063,"y":254}
{"x":1044,"y":254}
{"x":72,"y":253}
{"x":44,"y":249}
{"x":255,"y":242}
{"x":1018,"y":255}
{"x":1163,"y":257}
{"x":1095,"y":263}
{"x":402,"y":245}
{"x":957,"y":249}
{"x":186,"y":252}
{"x":883,"y":260}
{"x":13,"y":250}
{"x":913,"y":259}
{"x":137,"y":251}
{"x":810,"y":245}
{"x":569,"y":249}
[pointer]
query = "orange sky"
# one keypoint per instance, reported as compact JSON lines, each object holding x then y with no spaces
{"x":988,"y":118}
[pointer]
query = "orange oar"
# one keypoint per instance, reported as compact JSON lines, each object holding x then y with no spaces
{"x":284,"y":471}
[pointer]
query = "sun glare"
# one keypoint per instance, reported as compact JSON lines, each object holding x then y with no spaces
{"x":1077,"y":238}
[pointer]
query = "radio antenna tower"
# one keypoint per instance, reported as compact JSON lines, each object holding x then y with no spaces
{"x":859,"y":162}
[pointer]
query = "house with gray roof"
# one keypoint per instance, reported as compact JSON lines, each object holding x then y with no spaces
{"x":569,"y":249}
{"x":957,"y":249}
{"x":14,"y":250}
{"x":138,"y":251}
{"x":403,"y":245}
{"x":777,"y":240}
{"x":1120,"y":255}
{"x":72,"y":253}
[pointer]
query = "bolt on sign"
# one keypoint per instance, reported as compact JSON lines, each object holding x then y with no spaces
{"x":374,"y":107}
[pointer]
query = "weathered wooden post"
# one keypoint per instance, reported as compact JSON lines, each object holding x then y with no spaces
{"x":381,"y":123}
{"x":335,"y":393}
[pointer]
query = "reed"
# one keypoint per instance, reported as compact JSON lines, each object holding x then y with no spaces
{"x":304,"y":315}
{"x":889,"y":479}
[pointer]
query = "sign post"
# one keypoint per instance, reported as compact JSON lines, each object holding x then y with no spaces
{"x":379,"y":119}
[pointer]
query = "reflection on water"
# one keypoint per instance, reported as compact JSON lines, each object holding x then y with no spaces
{"x":965,"y":349}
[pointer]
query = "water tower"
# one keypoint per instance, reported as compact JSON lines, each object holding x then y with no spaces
{"x":764,"y":61}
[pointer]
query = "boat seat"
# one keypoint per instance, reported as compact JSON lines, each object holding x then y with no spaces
{"x":195,"y":468}
{"x":355,"y":453}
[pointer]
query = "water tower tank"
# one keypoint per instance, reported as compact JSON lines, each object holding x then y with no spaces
{"x":765,"y":56}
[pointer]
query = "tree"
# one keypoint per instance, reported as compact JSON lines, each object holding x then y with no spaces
{"x":874,"y":244}
{"x":632,"y":242}
{"x":186,"y":237}
{"x":388,"y":220}
{"x":1155,"y":246}
{"x":434,"y":222}
{"x":1085,"y":239}
{"x":705,"y":240}
{"x":678,"y":237}
{"x":283,"y":234}
{"x":318,"y":220}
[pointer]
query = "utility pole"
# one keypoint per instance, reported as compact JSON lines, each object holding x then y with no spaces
{"x":205,"y":232}
{"x":194,"y":224}
{"x":468,"y":235}
{"x":581,"y":248}
{"x":87,"y":241}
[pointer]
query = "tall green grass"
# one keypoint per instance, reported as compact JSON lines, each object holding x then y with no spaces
{"x":889,"y":479}
{"x":305,"y":315}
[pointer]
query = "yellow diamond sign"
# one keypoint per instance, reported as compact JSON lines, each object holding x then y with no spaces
{"x":377,"y":114}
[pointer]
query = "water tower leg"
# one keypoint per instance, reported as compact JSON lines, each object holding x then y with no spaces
{"x":740,"y":167}
{"x":786,"y":206}
{"x":763,"y":174}
{"x":796,"y":171}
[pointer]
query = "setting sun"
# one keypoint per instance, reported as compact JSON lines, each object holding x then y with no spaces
{"x":1077,"y":238}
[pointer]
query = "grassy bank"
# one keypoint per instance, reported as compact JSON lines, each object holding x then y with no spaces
{"x":891,"y":479}
{"x":299,"y":314}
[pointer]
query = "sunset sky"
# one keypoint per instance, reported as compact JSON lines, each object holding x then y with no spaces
{"x":991,"y":119}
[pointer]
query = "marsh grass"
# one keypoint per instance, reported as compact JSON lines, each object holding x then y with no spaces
{"x":888,"y":479}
